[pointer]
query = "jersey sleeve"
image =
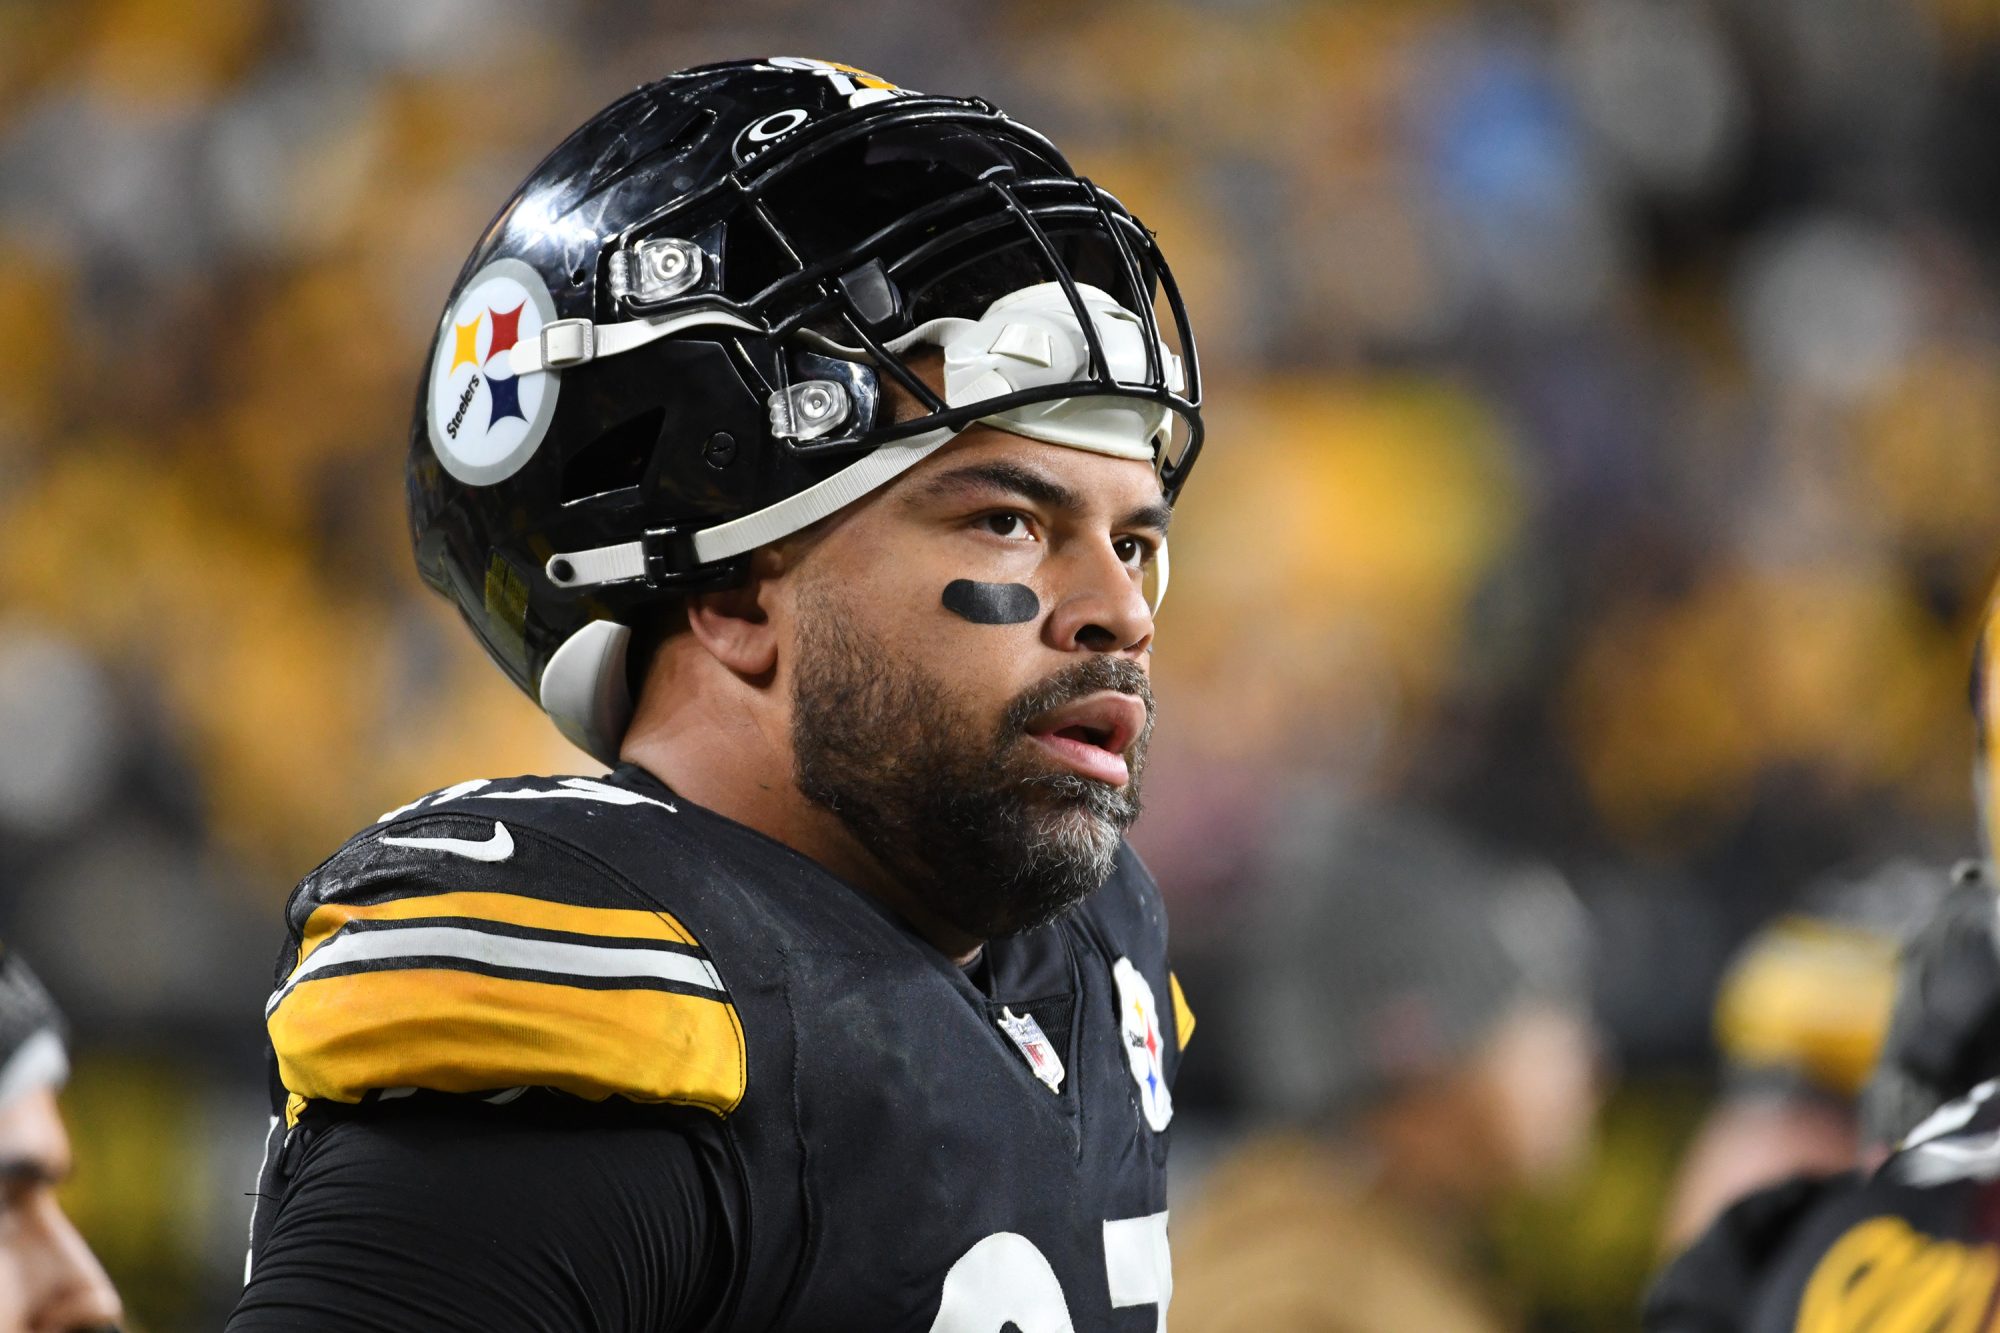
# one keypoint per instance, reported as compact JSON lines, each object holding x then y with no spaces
{"x":464,"y":1218}
{"x":463,"y":948}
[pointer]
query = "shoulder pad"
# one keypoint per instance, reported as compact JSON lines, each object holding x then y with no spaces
{"x":468,"y":944}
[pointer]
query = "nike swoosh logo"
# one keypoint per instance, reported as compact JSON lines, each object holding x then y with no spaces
{"x":496,"y":848}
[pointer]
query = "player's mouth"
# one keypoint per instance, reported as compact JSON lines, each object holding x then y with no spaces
{"x":1091,"y":735}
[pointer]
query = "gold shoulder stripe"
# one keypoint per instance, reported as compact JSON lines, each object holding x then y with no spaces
{"x":455,"y":1031}
{"x":511,"y":909}
{"x":477,"y":992}
{"x":1183,"y":1016}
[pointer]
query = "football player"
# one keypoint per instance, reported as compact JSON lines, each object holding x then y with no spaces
{"x":1800,"y":1022}
{"x":49,"y":1280}
{"x":1916,"y":1243}
{"x":805,"y":447}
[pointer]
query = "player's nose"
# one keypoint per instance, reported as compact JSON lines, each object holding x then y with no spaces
{"x":1102,"y":606}
{"x":77,"y":1294}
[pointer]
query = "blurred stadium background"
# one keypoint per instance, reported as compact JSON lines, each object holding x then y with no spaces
{"x":1603,"y":466}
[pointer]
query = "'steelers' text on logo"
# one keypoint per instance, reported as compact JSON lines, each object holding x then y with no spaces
{"x":464,"y":401}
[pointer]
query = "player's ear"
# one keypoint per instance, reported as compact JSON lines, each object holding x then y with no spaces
{"x":735,"y":624}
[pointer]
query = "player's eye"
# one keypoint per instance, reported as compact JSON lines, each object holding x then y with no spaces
{"x":1134,"y":551}
{"x":1008,"y":524}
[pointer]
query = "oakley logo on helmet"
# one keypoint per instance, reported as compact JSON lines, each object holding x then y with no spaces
{"x":777,"y":123}
{"x":485,"y":419}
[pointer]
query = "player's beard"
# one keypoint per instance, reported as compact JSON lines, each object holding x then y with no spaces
{"x":977,"y":822}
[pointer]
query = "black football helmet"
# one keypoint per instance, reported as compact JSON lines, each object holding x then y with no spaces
{"x":668,"y":348}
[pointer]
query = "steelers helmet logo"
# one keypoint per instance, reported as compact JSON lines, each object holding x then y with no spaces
{"x":486,"y":420}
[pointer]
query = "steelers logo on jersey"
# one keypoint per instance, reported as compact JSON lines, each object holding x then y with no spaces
{"x":1145,"y":1048}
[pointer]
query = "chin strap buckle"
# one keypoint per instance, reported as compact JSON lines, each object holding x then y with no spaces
{"x":661,"y":558}
{"x":567,"y":342}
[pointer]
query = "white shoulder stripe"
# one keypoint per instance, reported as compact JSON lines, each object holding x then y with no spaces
{"x":578,"y":789}
{"x":450,"y":793}
{"x":476,"y":946}
{"x":567,"y":789}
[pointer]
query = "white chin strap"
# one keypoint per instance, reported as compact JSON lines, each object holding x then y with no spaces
{"x":1027,"y":339}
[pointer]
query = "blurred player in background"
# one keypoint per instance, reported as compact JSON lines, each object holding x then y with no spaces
{"x":1942,"y":1042}
{"x":1418,"y":1037}
{"x":49,"y":1280}
{"x":836,"y":423}
{"x":1800,"y":1020}
{"x":1914,"y":1243}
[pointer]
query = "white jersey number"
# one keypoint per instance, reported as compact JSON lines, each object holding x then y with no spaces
{"x":1005,"y":1280}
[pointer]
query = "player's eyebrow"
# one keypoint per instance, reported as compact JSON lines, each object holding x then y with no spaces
{"x":1012,"y":478}
{"x":1039,"y":487}
{"x":1156,"y":516}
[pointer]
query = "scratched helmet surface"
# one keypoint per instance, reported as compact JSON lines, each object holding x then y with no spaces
{"x":669,"y":348}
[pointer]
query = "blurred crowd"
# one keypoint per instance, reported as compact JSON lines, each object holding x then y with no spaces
{"x":1601,"y":477}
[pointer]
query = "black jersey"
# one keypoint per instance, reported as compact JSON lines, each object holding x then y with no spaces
{"x":1914,"y":1246}
{"x":876,"y":1139}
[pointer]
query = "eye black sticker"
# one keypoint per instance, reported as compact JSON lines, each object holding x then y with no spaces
{"x":992,"y":603}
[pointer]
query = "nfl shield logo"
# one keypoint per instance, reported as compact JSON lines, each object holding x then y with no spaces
{"x":1042,"y":1057}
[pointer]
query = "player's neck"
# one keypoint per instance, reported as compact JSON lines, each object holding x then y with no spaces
{"x":721,"y":752}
